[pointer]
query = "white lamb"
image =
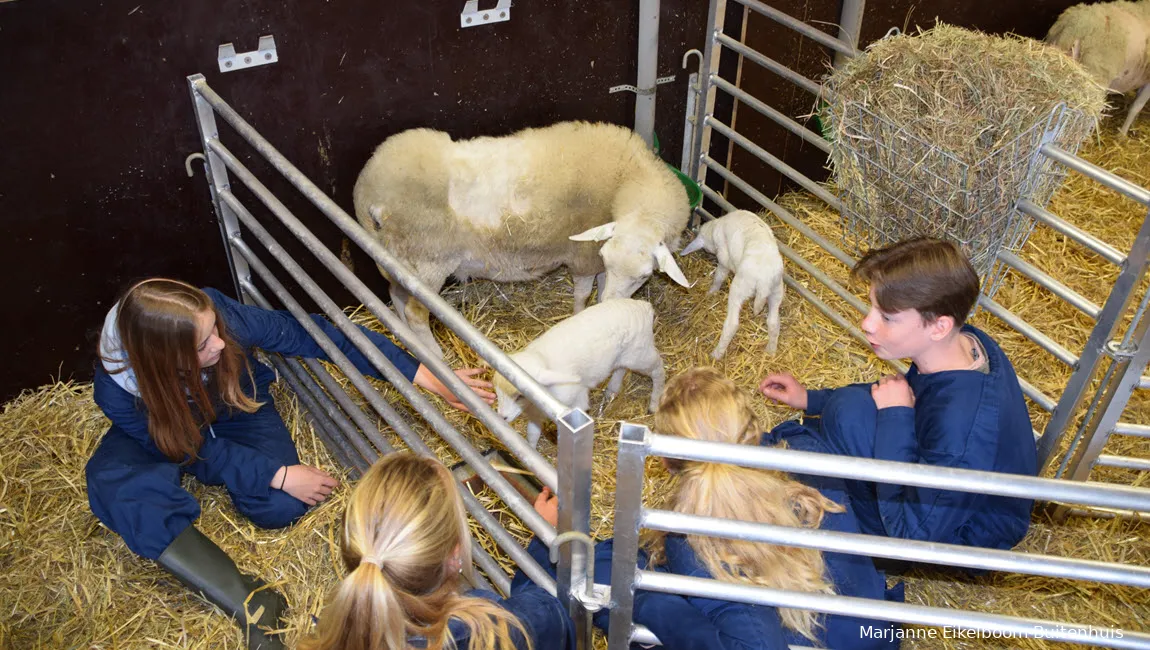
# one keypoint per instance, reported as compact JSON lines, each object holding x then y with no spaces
{"x":515,"y":207}
{"x":579,"y":353}
{"x":744,"y":244}
{"x":1112,"y":41}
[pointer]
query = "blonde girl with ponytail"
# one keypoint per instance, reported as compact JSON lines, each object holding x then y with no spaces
{"x":406,"y":547}
{"x":701,"y":404}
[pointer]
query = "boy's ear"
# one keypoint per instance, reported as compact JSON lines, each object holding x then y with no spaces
{"x":941,"y":327}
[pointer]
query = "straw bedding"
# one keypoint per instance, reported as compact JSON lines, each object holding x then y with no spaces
{"x":65,"y":581}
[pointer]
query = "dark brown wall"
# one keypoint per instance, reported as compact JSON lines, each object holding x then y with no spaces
{"x":95,"y":122}
{"x":1025,"y":17}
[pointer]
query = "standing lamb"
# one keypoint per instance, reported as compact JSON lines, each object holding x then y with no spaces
{"x":578,"y":353}
{"x":1112,"y":41}
{"x":744,"y":244}
{"x":513,"y":208}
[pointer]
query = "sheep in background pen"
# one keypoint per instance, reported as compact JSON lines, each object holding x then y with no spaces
{"x":579,"y":353}
{"x":1112,"y":41}
{"x":743,"y":243}
{"x":516,"y":207}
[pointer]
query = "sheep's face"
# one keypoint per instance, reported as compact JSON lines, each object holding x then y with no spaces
{"x":631,"y":260}
{"x":629,"y":263}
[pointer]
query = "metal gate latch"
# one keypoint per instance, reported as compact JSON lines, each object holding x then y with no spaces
{"x":265,"y":55}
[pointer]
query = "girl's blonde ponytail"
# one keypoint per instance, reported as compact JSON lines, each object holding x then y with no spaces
{"x":404,"y":527}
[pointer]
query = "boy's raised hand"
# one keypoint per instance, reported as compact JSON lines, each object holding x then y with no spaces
{"x":783,"y":387}
{"x":892,"y":390}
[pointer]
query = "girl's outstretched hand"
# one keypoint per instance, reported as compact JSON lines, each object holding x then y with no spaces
{"x":784,"y":388}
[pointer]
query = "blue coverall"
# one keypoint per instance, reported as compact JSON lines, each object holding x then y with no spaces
{"x":691,"y":623}
{"x":961,"y":418}
{"x":544,"y":617}
{"x":135,"y":490}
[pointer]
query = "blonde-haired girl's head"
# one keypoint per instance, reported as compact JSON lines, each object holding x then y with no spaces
{"x":702,"y":404}
{"x":406,"y":546}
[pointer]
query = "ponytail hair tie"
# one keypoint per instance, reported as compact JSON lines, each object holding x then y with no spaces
{"x":371,"y":559}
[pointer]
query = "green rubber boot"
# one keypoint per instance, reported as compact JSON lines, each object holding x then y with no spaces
{"x":205,"y":568}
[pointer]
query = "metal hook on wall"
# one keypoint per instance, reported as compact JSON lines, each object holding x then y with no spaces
{"x":687,"y":57}
{"x":188,"y":162}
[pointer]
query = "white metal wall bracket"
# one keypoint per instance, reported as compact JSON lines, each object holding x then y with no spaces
{"x":265,"y":55}
{"x":473,"y":17}
{"x":629,"y":88}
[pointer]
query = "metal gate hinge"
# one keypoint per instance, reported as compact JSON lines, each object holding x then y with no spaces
{"x":649,"y":91}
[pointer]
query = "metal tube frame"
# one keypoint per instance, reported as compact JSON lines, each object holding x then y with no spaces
{"x":522,"y":558}
{"x":1134,"y":268}
{"x":1128,"y":367}
{"x":576,"y":429}
{"x":636,"y":443}
{"x":217,"y":177}
{"x":514,"y":500}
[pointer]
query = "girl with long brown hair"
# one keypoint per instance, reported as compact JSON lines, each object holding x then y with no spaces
{"x":178,"y":381}
{"x":701,"y":404}
{"x":406,"y":547}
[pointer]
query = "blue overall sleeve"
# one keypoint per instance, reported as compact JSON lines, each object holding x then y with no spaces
{"x":910,"y":512}
{"x":279,"y":331}
{"x":817,"y":399}
{"x":246,"y":468}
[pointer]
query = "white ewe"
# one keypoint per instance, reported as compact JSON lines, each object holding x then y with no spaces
{"x":579,"y":353}
{"x":515,"y":207}
{"x":744,"y":244}
{"x":1112,"y":41}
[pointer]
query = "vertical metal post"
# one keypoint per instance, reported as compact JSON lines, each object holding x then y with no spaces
{"x":706,"y":106}
{"x":850,"y":25}
{"x":217,"y":175}
{"x":574,"y":458}
{"x":648,"y":70}
{"x":1131,"y":363}
{"x":628,"y":509}
{"x":689,"y":122}
{"x":1133,"y":268}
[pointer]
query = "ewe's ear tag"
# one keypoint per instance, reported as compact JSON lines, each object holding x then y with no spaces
{"x":667,"y":265}
{"x":695,"y":245}
{"x":598,"y":233}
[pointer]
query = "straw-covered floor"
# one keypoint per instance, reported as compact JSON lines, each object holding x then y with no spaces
{"x":67,"y":582}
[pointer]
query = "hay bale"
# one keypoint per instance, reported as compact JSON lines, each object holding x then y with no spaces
{"x":937,"y":134}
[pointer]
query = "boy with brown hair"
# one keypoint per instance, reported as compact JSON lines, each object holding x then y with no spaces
{"x":959,"y":404}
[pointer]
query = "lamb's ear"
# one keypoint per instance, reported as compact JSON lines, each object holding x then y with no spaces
{"x":549,"y":377}
{"x":598,"y":233}
{"x":695,"y":245}
{"x":1076,"y":49}
{"x":667,"y":265}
